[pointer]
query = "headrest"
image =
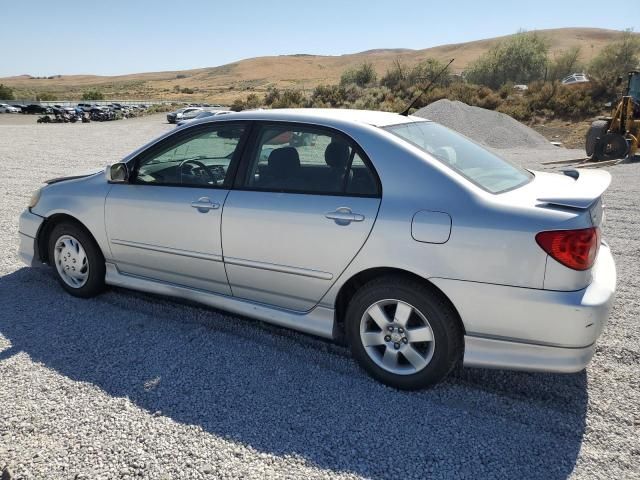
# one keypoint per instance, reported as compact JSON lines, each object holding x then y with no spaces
{"x":337,"y":154}
{"x":284,"y":159}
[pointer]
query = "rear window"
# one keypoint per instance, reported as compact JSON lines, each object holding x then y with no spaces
{"x":480,"y":166}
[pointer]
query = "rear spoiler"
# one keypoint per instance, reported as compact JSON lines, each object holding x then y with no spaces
{"x":588,"y":187}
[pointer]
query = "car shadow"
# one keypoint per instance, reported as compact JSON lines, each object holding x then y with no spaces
{"x":284,"y":393}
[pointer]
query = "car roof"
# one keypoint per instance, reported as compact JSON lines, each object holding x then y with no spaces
{"x":370,"y":117}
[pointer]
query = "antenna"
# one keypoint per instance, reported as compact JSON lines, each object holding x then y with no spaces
{"x":405,"y":112}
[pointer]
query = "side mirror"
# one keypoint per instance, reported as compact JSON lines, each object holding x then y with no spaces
{"x":117,"y":173}
{"x":618,"y":81}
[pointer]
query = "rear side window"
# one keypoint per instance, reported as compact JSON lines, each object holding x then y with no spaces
{"x":480,"y":166}
{"x":305,"y":159}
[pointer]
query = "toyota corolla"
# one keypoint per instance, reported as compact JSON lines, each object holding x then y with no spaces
{"x":407,"y":241}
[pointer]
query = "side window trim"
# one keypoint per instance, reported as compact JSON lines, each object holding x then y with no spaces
{"x":185,"y":134}
{"x":250,"y":151}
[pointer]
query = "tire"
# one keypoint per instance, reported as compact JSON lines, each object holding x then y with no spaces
{"x":430,"y":316}
{"x":596,"y":130}
{"x":88,"y":259}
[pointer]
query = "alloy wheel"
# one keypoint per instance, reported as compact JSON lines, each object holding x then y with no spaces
{"x":397,"y":337}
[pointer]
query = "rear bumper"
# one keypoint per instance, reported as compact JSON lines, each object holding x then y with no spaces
{"x":493,"y":353}
{"x":530,"y":329}
{"x":28,"y":231}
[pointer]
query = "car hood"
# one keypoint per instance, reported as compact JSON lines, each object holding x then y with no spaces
{"x":89,"y":173}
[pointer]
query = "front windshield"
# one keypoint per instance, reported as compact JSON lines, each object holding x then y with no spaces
{"x":465,"y":157}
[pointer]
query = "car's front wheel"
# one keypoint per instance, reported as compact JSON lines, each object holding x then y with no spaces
{"x":402,"y":333}
{"x":77,"y":260}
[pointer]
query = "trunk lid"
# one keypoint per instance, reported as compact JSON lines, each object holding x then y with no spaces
{"x":577,"y":191}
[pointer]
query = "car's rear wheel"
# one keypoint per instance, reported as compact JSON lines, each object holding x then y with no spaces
{"x":77,"y":260}
{"x":402,"y":333}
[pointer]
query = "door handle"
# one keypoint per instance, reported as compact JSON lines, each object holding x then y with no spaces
{"x":204,"y":205}
{"x":344,"y":216}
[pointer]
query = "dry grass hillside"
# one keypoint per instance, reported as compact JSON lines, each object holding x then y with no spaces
{"x":227,"y":82}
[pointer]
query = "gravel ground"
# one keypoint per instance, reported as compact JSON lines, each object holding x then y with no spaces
{"x":128,"y":385}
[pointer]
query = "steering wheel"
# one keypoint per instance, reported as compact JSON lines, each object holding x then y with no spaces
{"x":202,"y":168}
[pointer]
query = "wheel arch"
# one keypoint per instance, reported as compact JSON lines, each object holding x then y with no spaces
{"x":47,"y":227}
{"x":349,"y":288}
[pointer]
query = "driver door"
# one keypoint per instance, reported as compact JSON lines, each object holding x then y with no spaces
{"x":165,"y":223}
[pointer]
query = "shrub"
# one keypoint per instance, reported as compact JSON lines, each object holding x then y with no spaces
{"x":273,"y":94}
{"x":516,"y":109}
{"x":289,"y":99}
{"x":520,"y":58}
{"x":566,"y":63}
{"x":252,"y":101}
{"x":46,"y":97}
{"x":92,"y":95}
{"x":426,"y":71}
{"x":396,"y":76}
{"x":333,"y":96}
{"x":362,"y":76}
{"x":616,"y":59}
{"x":187,"y":91}
{"x":6,"y":93}
{"x":237,"y":105}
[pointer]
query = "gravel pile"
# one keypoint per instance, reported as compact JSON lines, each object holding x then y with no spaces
{"x":490,"y":128}
{"x":128,"y":385}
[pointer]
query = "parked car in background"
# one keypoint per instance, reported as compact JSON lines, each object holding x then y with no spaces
{"x":203,"y":114}
{"x":413,"y":244}
{"x":5,"y":108}
{"x":62,"y":110}
{"x":34,"y":108}
{"x":183,"y":114}
{"x":87,"y":106}
{"x":575,"y":78}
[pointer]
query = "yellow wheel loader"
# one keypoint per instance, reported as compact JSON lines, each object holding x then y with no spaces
{"x":617,"y":137}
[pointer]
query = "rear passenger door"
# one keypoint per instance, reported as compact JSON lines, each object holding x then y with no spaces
{"x":303,"y":205}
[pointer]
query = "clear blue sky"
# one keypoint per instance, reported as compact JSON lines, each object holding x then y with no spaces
{"x":109,"y":37}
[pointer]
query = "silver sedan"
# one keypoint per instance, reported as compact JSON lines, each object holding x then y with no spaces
{"x":410,"y":243}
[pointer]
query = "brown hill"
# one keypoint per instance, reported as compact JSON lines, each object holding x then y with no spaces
{"x":226,"y":82}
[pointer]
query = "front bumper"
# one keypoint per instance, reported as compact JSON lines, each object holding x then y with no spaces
{"x":28,"y":231}
{"x":530,"y":329}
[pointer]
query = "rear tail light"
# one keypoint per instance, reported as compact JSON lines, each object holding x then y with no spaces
{"x":576,"y":249}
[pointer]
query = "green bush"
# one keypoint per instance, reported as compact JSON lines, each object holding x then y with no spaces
{"x":160,"y":108}
{"x":237,"y":105}
{"x":362,"y":76}
{"x":328,"y":96}
{"x":46,"y":97}
{"x":252,"y":101}
{"x":566,"y":63}
{"x":6,"y":93}
{"x":395,"y":76}
{"x":92,"y":95}
{"x":616,"y":59}
{"x":426,"y":71}
{"x":273,"y":94}
{"x":521,"y":58}
{"x":289,"y":99}
{"x":516,"y":109}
